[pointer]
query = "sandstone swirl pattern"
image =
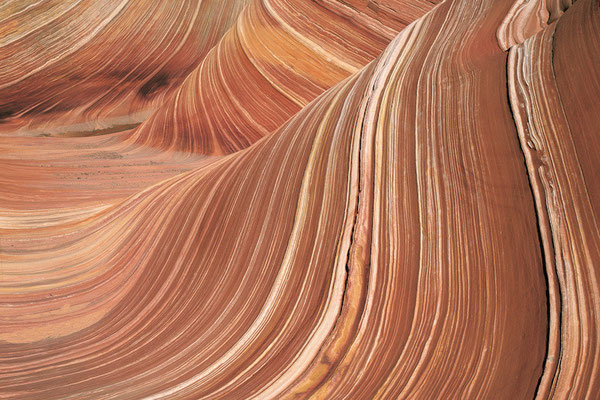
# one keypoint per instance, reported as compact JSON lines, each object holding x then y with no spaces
{"x":299,"y":199}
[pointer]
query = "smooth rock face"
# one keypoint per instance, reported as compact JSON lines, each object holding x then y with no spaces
{"x":299,"y":199}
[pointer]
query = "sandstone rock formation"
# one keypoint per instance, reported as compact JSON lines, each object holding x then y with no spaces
{"x":299,"y":199}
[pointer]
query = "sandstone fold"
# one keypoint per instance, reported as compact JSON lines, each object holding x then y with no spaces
{"x":325,"y":200}
{"x":527,"y":17}
{"x":89,"y":67}
{"x":277,"y":58}
{"x":556,"y":116}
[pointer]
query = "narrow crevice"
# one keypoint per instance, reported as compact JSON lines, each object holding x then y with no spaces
{"x":356,"y":213}
{"x":540,"y":234}
{"x":348,"y":254}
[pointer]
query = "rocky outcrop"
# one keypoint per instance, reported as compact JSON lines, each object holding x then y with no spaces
{"x":90,"y":67}
{"x":278,"y":57}
{"x":417,"y":222}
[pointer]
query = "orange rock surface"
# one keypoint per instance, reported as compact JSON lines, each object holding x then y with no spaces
{"x":280,"y":199}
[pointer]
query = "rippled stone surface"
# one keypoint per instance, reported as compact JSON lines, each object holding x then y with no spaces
{"x":299,"y":199}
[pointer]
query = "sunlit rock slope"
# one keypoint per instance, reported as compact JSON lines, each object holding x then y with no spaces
{"x":289,"y":199}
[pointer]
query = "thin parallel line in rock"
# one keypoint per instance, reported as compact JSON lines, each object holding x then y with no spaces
{"x":213,"y":192}
{"x":231,"y":93}
{"x":41,"y":26}
{"x":578,"y":190}
{"x":309,"y":43}
{"x":149,"y":56}
{"x":389,"y":66}
{"x":422,"y":246}
{"x":313,"y":336}
{"x":83,"y":41}
{"x":413,"y":32}
{"x":514,"y":60}
{"x":376,"y":89}
{"x":246,"y":51}
{"x":314,"y":373}
{"x":255,"y":326}
{"x":567,"y":202}
{"x":324,"y":120}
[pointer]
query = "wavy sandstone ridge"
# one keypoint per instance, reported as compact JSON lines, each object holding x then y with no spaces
{"x":97,"y":66}
{"x":279,"y":56}
{"x":390,"y":209}
{"x":554,"y":90}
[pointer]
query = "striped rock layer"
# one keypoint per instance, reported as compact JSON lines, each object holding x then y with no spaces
{"x":324,"y":199}
{"x":278,"y":57}
{"x":86,"y":67}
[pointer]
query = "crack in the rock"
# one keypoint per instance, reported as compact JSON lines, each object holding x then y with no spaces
{"x":538,"y":218}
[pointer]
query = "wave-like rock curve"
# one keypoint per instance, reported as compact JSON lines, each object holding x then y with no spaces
{"x":424,"y":225}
